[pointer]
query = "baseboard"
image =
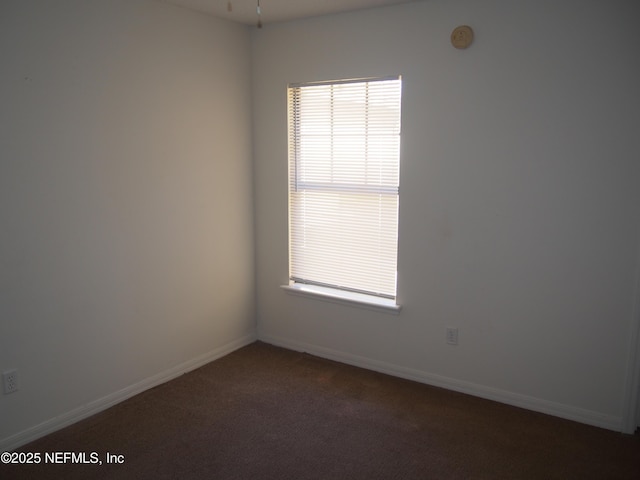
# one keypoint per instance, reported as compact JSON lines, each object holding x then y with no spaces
{"x":517,"y":400}
{"x":84,"y":411}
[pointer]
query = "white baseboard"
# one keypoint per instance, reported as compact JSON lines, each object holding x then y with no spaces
{"x":84,"y":411}
{"x":515,"y":399}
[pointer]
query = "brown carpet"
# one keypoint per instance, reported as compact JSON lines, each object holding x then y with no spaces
{"x":264,"y":412}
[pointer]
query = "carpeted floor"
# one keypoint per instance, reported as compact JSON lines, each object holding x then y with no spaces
{"x":265,"y":413}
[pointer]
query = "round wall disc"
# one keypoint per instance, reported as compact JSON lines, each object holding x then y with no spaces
{"x":462,"y":36}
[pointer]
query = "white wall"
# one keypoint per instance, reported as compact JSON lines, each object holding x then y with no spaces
{"x":520,"y":197}
{"x":126,"y":225}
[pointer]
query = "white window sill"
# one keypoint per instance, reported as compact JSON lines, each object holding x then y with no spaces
{"x":346,"y":298}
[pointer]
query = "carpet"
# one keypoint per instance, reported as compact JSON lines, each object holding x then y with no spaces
{"x":264,"y":412}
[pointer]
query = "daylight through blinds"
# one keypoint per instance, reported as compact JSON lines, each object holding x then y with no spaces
{"x":344,"y":160}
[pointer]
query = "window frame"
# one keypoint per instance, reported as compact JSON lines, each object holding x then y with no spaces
{"x":318,"y":289}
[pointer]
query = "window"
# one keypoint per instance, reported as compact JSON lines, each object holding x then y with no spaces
{"x":344,"y":162}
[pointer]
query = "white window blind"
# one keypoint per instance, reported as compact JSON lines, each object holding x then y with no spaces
{"x":344,"y":161}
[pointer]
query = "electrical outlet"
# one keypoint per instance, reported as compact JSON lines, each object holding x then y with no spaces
{"x":452,"y":336}
{"x":10,"y":381}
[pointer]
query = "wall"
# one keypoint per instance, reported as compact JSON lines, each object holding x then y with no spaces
{"x":126,"y":237}
{"x":519,"y":207}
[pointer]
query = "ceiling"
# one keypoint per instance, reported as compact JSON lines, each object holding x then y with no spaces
{"x":245,"y":11}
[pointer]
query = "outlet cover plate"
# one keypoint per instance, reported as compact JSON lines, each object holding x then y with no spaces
{"x":452,"y":336}
{"x":10,"y":381}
